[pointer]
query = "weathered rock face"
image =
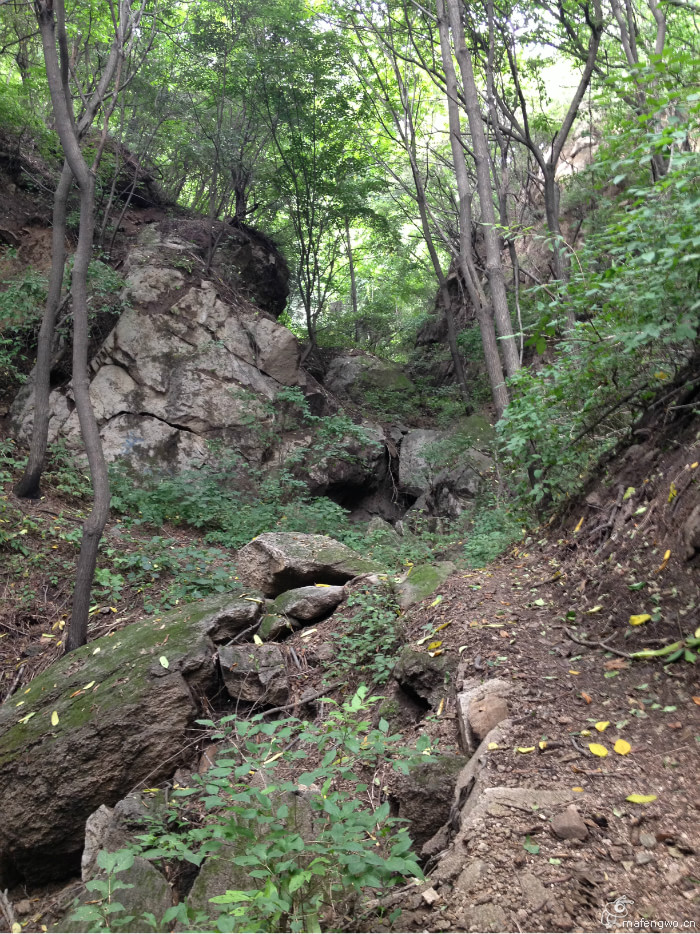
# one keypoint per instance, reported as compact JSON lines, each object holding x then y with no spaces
{"x":182,"y":366}
{"x":353,"y":375}
{"x":122,"y":716}
{"x":421,"y":581}
{"x":255,"y":673}
{"x":280,"y":561}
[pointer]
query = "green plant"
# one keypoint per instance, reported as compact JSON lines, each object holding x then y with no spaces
{"x":493,"y":529}
{"x":633,"y":291}
{"x":67,"y":473}
{"x":370,"y":646}
{"x":301,"y":849}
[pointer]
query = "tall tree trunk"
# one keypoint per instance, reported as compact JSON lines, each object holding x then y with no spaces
{"x":494,"y":266}
{"x":28,"y":485}
{"x":470,"y":279}
{"x":51,"y":13}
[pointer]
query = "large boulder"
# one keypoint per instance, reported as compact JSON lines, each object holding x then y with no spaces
{"x":309,"y":604}
{"x":415,"y":469}
{"x":93,"y":726}
{"x":280,"y":561}
{"x":421,"y":581}
{"x":183,"y":365}
{"x":255,"y":673}
{"x":354,"y":375}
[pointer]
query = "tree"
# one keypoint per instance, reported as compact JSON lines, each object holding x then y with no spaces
{"x":51,"y":17}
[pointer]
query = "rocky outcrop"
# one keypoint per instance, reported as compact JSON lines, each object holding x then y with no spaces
{"x":186,"y":363}
{"x":354,"y":375}
{"x":255,"y":673}
{"x":444,"y":470}
{"x":279,"y":561}
{"x":96,"y":723}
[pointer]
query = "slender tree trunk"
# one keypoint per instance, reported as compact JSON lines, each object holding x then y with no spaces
{"x":484,"y":313}
{"x":28,"y":486}
{"x":351,"y":267}
{"x":494,"y":266}
{"x":49,"y":13}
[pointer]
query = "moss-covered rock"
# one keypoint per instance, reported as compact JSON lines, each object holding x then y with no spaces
{"x":421,"y":581}
{"x":280,"y":561}
{"x":309,"y":603}
{"x":119,"y":718}
{"x":423,"y":676}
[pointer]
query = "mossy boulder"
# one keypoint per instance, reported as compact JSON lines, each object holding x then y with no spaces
{"x":422,"y":581}
{"x":279,"y":561}
{"x":424,"y":677}
{"x":354,"y":375}
{"x":92,"y":727}
{"x":309,"y":603}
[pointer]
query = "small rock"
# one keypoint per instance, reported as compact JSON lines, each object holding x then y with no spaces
{"x":569,"y":825}
{"x":255,"y":673}
{"x":431,"y":897}
{"x":627,"y":865}
{"x":521,"y":915}
{"x":647,"y":840}
{"x":23,"y":907}
{"x":641,"y":859}
{"x":615,"y":853}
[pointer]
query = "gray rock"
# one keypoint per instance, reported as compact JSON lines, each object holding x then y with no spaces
{"x":279,"y":561}
{"x":308,"y":603}
{"x":237,"y":614}
{"x":421,"y":581}
{"x":569,"y":825}
{"x":648,"y":840}
{"x":255,"y":673}
{"x":415,"y":471}
{"x":121,"y":730}
{"x":425,"y":796}
{"x":181,"y":365}
{"x":690,"y":533}
{"x":484,"y":715}
{"x":480,"y":707}
{"x":354,"y":374}
{"x":428,"y":678}
{"x":534,"y":892}
{"x":273,"y":626}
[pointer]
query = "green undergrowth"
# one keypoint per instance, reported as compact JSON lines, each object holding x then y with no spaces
{"x":292,"y":809}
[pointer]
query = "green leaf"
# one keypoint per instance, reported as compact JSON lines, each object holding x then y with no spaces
{"x":530,"y":846}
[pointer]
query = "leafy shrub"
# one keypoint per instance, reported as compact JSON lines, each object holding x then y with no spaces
{"x":299,"y":881}
{"x":633,"y":290}
{"x":494,"y":528}
{"x":370,"y":646}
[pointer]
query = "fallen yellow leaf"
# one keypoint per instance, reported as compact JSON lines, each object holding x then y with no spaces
{"x":492,"y":746}
{"x":602,"y":725}
{"x":577,"y":788}
{"x":663,"y":564}
{"x":434,"y":645}
{"x":641,"y":799}
{"x":90,"y":684}
{"x":578,"y":527}
{"x":526,"y":748}
{"x":622,"y":747}
{"x":696,"y":700}
{"x":572,"y":672}
{"x":542,"y":744}
{"x":598,"y":750}
{"x":639,"y":619}
{"x":586,"y":697}
{"x":585,"y":732}
{"x":54,"y":718}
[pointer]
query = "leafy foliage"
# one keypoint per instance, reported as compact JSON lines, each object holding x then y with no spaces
{"x":307,"y":846}
{"x":371,"y":645}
